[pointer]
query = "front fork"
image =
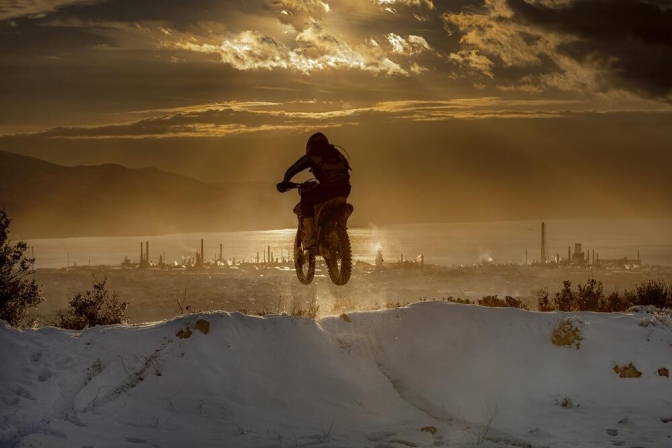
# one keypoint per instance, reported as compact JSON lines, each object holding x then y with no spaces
{"x":316,"y":231}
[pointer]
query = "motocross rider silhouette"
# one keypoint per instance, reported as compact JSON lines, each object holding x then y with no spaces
{"x":330,"y":168}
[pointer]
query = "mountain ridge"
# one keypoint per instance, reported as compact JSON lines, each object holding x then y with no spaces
{"x":47,"y":200}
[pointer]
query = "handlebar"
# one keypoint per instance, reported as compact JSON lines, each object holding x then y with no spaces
{"x":286,"y":186}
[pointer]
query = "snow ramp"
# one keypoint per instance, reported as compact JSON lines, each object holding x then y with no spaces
{"x":430,"y":374}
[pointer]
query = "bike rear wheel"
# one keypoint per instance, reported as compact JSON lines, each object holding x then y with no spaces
{"x":304,"y":261}
{"x":340,"y":261}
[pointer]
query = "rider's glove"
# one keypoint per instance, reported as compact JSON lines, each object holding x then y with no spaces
{"x":283,"y":186}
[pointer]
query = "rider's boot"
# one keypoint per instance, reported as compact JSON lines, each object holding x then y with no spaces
{"x":308,"y":230}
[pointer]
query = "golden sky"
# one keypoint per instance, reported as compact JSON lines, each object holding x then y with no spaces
{"x":497,"y":98}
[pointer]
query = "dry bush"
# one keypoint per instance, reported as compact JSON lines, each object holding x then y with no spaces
{"x":543,"y":301}
{"x":590,"y":295}
{"x":93,"y":307}
{"x":508,"y":302}
{"x":459,"y":300}
{"x":310,"y":312}
{"x":565,"y":299}
{"x":617,"y":303}
{"x":568,"y":333}
{"x":629,"y":371}
{"x":656,"y":293}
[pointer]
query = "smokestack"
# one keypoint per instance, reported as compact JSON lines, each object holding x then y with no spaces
{"x":220,"y":251}
{"x":543,"y":242}
{"x":269,"y":254}
{"x":202,"y":252}
{"x":147,"y":252}
{"x":569,"y":254}
{"x":142,"y":252}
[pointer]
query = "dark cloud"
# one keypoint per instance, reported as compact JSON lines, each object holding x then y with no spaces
{"x":646,"y":21}
{"x":633,"y":37}
{"x":177,"y":13}
{"x":80,"y":64}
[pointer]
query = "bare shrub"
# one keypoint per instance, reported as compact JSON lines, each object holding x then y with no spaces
{"x":568,"y":333}
{"x":590,"y":295}
{"x":93,"y":307}
{"x":459,"y":300}
{"x":543,"y":301}
{"x":564,"y":299}
{"x":508,"y":302}
{"x":617,"y":303}
{"x":310,"y":312}
{"x":629,"y":371}
{"x":656,"y":293}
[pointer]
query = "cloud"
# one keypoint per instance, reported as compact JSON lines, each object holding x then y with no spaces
{"x":411,"y":46}
{"x":312,"y":49}
{"x":234,"y":118}
{"x":560,"y":44}
{"x":474,"y":60}
{"x":14,"y":9}
{"x":428,"y":4}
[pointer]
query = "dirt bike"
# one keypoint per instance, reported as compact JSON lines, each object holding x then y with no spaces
{"x":331,"y":239}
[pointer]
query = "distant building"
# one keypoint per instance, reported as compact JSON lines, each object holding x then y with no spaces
{"x":579,"y":257}
{"x":619,"y":263}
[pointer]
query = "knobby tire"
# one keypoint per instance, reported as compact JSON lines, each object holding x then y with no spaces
{"x":340,"y":267}
{"x":304,"y":261}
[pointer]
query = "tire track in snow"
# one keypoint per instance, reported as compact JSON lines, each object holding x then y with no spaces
{"x":430,"y":409}
{"x":416,"y":400}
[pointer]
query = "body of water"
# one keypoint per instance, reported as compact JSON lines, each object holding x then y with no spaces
{"x":445,"y":244}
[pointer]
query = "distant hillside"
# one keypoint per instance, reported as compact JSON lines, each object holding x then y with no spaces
{"x":47,"y":200}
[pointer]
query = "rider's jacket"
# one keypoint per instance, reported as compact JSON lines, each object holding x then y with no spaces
{"x":328,"y":165}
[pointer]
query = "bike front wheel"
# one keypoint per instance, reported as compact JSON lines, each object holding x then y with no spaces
{"x":304,"y":261}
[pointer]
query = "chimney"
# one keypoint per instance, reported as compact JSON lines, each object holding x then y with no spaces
{"x":142,"y":252}
{"x":147,"y":252}
{"x":543,"y":242}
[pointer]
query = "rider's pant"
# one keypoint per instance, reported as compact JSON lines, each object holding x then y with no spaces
{"x":320,"y":194}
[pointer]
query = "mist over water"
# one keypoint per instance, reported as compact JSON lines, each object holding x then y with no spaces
{"x":443,"y":244}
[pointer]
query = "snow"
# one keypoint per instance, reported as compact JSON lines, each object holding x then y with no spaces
{"x":430,"y":374}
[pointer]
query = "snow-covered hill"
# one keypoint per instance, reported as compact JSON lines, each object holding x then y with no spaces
{"x":431,"y":374}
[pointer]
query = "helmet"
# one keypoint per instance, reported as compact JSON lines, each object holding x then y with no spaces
{"x":317,"y":140}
